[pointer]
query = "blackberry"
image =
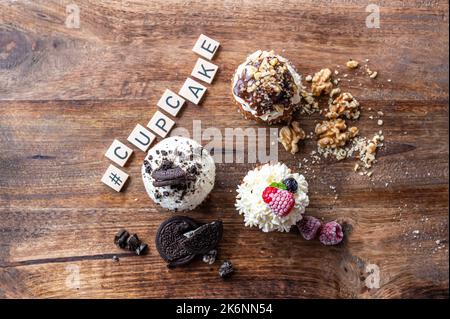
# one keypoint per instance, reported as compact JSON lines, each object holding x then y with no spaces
{"x":291,"y":184}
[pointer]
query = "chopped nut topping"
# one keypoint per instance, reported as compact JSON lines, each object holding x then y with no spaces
{"x":308,"y":78}
{"x":290,"y":136}
{"x":311,"y":105}
{"x":321,"y":82}
{"x":368,"y":153}
{"x":335,"y":92}
{"x":344,"y":105}
{"x":334,"y":133}
{"x":352,"y":64}
{"x":372,"y":74}
{"x":265,"y":82}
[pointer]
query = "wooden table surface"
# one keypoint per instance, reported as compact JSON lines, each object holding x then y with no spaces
{"x":66,"y":93}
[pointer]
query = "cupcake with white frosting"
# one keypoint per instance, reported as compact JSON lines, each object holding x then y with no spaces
{"x":266,"y":88}
{"x":178,"y":173}
{"x":272,"y":198}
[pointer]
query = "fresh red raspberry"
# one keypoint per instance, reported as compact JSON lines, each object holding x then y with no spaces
{"x":282,"y":203}
{"x":308,"y":227}
{"x":331,"y":233}
{"x":268,"y":194}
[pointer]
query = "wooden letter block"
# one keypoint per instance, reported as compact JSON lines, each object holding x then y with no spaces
{"x":161,"y":124}
{"x":204,"y":71}
{"x":171,"y":102}
{"x":114,"y":178}
{"x":119,"y":153}
{"x":192,"y":91}
{"x":206,"y":47}
{"x":141,"y":138}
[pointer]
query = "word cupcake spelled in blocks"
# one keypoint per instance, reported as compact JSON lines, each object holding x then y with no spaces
{"x":171,"y":103}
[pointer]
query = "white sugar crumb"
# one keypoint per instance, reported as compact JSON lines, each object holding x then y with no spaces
{"x":380,"y":122}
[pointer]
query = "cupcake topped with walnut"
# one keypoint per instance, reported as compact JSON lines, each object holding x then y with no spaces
{"x":266,"y":88}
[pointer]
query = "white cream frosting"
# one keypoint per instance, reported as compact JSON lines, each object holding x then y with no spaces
{"x":249,"y":201}
{"x":273,"y":114}
{"x":192,"y":154}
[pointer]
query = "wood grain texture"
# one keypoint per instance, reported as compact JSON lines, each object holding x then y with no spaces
{"x":65,"y":94}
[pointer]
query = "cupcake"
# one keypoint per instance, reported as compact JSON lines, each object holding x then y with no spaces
{"x":271,"y":198}
{"x":266,"y":88}
{"x":178,"y":173}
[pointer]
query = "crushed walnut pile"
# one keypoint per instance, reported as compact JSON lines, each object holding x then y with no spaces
{"x":335,"y":137}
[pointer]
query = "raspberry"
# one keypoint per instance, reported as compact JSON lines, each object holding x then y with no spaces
{"x":268,"y":194}
{"x":282,"y":203}
{"x":308,"y":227}
{"x":291,"y":184}
{"x":331,"y":233}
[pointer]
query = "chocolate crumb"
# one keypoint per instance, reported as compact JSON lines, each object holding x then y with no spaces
{"x":120,"y":239}
{"x":133,"y":242}
{"x":226,"y":270}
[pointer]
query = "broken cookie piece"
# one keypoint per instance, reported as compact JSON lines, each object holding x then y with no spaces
{"x":203,"y":239}
{"x":169,"y":237}
{"x":180,"y":239}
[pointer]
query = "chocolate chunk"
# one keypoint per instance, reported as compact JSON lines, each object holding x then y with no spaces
{"x":226,"y":270}
{"x":133,"y":242}
{"x":169,"y":239}
{"x":203,"y":239}
{"x":142,"y":249}
{"x":120,"y":239}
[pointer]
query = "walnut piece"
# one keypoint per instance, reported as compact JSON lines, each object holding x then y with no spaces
{"x":321,"y":82}
{"x":369,"y":152}
{"x":344,"y":105}
{"x":352,"y":64}
{"x":334,"y":133}
{"x":290,"y":136}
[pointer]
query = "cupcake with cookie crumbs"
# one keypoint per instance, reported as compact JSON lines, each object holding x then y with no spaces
{"x":266,"y":88}
{"x":178,"y":173}
{"x":272,"y":198}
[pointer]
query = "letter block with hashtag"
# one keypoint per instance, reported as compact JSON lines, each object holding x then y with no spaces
{"x":119,"y":153}
{"x":204,"y":71}
{"x":114,"y":178}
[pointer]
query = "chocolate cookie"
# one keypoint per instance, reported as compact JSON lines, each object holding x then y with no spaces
{"x":203,"y":239}
{"x":169,"y":239}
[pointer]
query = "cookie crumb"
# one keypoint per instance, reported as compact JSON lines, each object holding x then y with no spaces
{"x":226,"y":270}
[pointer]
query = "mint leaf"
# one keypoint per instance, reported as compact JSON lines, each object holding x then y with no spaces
{"x":278,"y":185}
